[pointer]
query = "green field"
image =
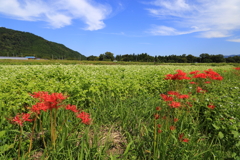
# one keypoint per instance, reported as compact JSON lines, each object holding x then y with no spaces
{"x":84,"y":62}
{"x":130,"y":119}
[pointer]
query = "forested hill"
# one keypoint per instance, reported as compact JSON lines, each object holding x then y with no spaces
{"x":18,"y":44}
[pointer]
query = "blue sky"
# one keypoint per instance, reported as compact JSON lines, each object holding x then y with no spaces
{"x":156,"y":27}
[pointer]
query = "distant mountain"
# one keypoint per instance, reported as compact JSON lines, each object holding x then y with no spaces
{"x":17,"y":43}
{"x":226,"y":56}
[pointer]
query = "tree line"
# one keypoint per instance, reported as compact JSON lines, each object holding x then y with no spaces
{"x":144,"y":57}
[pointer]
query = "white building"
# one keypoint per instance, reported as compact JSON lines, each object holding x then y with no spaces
{"x":18,"y":58}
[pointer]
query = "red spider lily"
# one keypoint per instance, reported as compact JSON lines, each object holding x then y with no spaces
{"x":21,"y":118}
{"x":85,"y":117}
{"x":172,"y":128}
{"x":164,"y":117}
{"x":168,"y":77}
{"x":211,"y":106}
{"x":213,"y":75}
{"x":192,"y":82}
{"x":156,"y":116}
{"x":72,"y":108}
{"x":173,"y":93}
{"x":180,"y":137}
{"x":175,"y":119}
{"x":39,"y":95}
{"x":50,"y":100}
{"x":189,"y":104}
{"x":178,"y":76}
{"x":166,"y":97}
{"x":200,"y":90}
{"x":194,"y":72}
{"x":207,"y":74}
{"x":45,"y":96}
{"x":237,"y":68}
{"x":174,"y":104}
{"x":200,"y":75}
{"x":183,"y":96}
{"x":159,"y":131}
{"x":218,"y":78}
{"x":158,"y":108}
{"x":39,"y":107}
{"x":185,"y":140}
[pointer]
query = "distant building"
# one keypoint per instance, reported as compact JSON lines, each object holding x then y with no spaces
{"x":30,"y":57}
{"x":18,"y":58}
{"x":15,"y":58}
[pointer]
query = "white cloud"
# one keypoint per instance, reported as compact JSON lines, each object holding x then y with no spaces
{"x":169,"y":31}
{"x":57,"y":13}
{"x":212,"y":19}
{"x":234,"y":40}
{"x":174,"y":5}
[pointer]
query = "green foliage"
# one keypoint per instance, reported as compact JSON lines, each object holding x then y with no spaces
{"x":107,"y":56}
{"x":122,"y":102}
{"x":203,"y":58}
{"x":16,"y":43}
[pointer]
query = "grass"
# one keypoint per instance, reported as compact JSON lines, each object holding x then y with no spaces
{"x":122,"y":103}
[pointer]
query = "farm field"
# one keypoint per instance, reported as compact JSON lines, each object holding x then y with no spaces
{"x":84,"y":62}
{"x":119,"y":112}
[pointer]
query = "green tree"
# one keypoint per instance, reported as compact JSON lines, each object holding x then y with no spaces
{"x":205,"y":58}
{"x":102,"y":57}
{"x":191,"y":58}
{"x":92,"y":58}
{"x":218,"y":58}
{"x":109,"y":55}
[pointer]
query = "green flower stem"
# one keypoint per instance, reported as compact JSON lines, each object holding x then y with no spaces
{"x":32,"y":134}
{"x":53,"y":128}
{"x":43,"y":137}
{"x":20,"y":141}
{"x":155,"y":138}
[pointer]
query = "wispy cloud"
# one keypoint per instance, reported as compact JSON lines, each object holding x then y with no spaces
{"x":211,"y":19}
{"x":57,"y":13}
{"x":234,"y":40}
{"x":169,"y":31}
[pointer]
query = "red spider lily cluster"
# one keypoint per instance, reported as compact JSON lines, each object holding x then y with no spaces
{"x":172,"y":128}
{"x":49,"y":102}
{"x":85,"y":117}
{"x":182,"y":139}
{"x":207,"y":74}
{"x":211,"y":106}
{"x":21,"y":118}
{"x":172,"y":98}
{"x":237,"y":68}
{"x":180,"y":75}
{"x":179,"y":103}
{"x":200,"y":90}
{"x":237,"y":71}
